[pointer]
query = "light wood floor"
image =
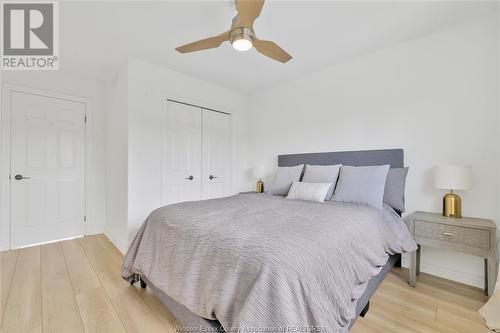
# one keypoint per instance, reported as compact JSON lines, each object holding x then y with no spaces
{"x":75,"y":286}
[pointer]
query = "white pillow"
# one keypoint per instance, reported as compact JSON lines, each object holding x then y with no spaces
{"x":308,"y":191}
{"x":322,"y":174}
{"x":362,"y":185}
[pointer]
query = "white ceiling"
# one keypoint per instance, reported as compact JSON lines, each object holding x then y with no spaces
{"x":96,"y":37}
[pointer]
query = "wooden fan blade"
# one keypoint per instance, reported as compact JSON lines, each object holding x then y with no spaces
{"x":248,"y":11}
{"x":272,"y":50}
{"x":204,"y":44}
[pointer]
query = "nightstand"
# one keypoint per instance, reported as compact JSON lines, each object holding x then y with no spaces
{"x":466,"y":234}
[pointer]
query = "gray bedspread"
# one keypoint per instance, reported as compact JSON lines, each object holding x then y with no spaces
{"x":256,"y":262}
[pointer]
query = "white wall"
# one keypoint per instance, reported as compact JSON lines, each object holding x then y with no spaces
{"x":138,"y":99}
{"x":93,"y":90}
{"x":435,"y":96}
{"x":3,"y":236}
{"x":117,"y":160}
{"x":498,"y":108}
{"x":149,"y":88}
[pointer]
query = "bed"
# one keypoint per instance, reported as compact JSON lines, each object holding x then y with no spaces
{"x":233,"y":265}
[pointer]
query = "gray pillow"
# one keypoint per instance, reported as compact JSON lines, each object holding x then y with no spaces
{"x":285,"y":176}
{"x":322,"y":174}
{"x":362,"y":185}
{"x":395,"y":183}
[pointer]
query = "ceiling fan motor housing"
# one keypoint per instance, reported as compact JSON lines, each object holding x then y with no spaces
{"x":242,"y":33}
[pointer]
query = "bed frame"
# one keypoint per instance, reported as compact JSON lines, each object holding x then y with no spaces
{"x":394,"y":157}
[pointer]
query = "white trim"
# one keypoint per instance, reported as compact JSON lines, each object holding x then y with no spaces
{"x":50,"y":242}
{"x":5,"y":153}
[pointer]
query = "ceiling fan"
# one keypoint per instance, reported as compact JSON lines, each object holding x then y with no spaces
{"x":241,"y":34}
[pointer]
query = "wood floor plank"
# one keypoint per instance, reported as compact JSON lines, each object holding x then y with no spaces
{"x":159,"y":309}
{"x":459,"y":323}
{"x":134,"y":313}
{"x":76,"y":286}
{"x":8,"y":261}
{"x":83,"y":277}
{"x":402,"y":301}
{"x":407,"y":317}
{"x":24,"y":306}
{"x":449,"y":295}
{"x":365,"y":325}
{"x":389,"y":324}
{"x":146,"y":294}
{"x":97,"y":312}
{"x":449,"y":290}
{"x":113,"y":252}
{"x":107,"y":270}
{"x":60,"y":310}
{"x":394,"y":285}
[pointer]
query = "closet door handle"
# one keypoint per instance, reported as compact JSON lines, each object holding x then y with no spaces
{"x":190,"y":178}
{"x":212,"y":177}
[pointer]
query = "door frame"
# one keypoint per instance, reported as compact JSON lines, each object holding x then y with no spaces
{"x":5,"y":153}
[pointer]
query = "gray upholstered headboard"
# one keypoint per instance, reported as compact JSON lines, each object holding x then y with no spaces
{"x":394,"y":157}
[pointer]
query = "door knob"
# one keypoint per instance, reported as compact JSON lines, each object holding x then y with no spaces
{"x":212,"y":177}
{"x":190,"y":178}
{"x":20,"y":177}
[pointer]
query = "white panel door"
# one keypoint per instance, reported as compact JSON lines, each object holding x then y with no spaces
{"x":181,"y":157}
{"x":47,"y":169}
{"x":216,"y":154}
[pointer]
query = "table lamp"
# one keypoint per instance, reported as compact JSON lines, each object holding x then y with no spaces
{"x":258,"y":173}
{"x":452,"y":177}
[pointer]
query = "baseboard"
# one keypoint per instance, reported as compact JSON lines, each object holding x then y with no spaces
{"x":115,"y":240}
{"x":475,"y":280}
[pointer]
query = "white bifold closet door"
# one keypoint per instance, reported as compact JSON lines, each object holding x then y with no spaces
{"x":215,"y":154}
{"x":196,"y":154}
{"x":181,"y":158}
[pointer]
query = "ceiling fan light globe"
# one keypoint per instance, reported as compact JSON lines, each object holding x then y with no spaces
{"x":242,"y":44}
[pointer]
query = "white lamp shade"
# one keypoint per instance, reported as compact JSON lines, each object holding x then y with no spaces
{"x":453,"y":177}
{"x":258,"y":172}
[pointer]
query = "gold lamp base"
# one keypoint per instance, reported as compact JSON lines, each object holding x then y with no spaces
{"x":259,"y":187}
{"x":452,"y":205}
